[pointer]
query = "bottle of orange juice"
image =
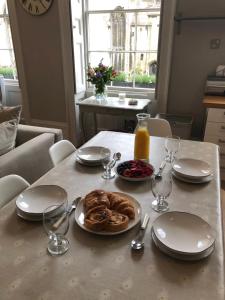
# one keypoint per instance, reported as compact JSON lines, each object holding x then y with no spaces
{"x":142,"y":138}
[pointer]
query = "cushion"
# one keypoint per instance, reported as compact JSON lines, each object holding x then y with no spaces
{"x":8,"y":132}
{"x":8,"y":113}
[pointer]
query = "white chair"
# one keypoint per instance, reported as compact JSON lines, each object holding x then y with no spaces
{"x":159,"y":127}
{"x":60,"y":150}
{"x":10,"y":187}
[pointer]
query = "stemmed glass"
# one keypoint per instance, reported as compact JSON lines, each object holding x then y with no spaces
{"x":172,"y":146}
{"x":56,"y":225}
{"x":106,"y":158}
{"x":161,"y":189}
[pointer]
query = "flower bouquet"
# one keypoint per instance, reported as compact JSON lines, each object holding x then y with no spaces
{"x":100,"y":76}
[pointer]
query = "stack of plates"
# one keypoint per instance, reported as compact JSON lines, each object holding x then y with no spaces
{"x":192,"y":170}
{"x":90,"y":156}
{"x":31,"y":204}
{"x":183,"y":236}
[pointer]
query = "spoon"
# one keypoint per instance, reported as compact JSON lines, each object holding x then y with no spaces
{"x":116,"y":157}
{"x":138,"y":243}
{"x":69,"y":211}
{"x":158,"y":175}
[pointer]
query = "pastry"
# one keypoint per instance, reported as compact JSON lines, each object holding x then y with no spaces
{"x":97,"y":218}
{"x":107,"y":211}
{"x":96,"y":198}
{"x":121,"y":204}
{"x":117,"y":222}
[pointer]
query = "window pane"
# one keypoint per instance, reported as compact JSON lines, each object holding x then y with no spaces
{"x":7,"y":64}
{"x":7,"y":59}
{"x":95,"y":58}
{"x":5,"y":34}
{"x":123,"y":63}
{"x":147,"y":30}
{"x":99,"y":32}
{"x":145,"y":70}
{"x":127,"y":4}
{"x":3,"y":7}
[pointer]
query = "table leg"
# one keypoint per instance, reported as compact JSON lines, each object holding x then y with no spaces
{"x":95,"y":123}
{"x":82,"y":123}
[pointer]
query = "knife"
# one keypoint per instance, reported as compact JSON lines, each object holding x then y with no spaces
{"x":67,"y":212}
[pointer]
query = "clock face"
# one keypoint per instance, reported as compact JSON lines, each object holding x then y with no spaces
{"x":36,"y":7}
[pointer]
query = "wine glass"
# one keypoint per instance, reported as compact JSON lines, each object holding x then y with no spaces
{"x":172,"y":146}
{"x":56,"y":225}
{"x":161,"y":189}
{"x":106,"y":158}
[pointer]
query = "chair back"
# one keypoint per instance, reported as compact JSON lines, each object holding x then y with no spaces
{"x":60,"y":150}
{"x":11,"y":186}
{"x":159,"y":127}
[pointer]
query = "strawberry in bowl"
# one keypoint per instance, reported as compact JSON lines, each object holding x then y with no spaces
{"x":135,"y":170}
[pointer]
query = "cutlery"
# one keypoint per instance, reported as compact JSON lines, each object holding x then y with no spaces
{"x":116,"y":157}
{"x":138,"y":243}
{"x":68,"y":212}
{"x":158,"y":175}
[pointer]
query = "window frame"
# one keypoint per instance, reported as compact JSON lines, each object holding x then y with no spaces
{"x":10,"y":81}
{"x":133,"y":91}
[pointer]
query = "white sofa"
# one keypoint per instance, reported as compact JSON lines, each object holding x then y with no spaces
{"x":30,"y":158}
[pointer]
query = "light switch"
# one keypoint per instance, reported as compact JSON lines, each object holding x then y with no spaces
{"x":215,"y":43}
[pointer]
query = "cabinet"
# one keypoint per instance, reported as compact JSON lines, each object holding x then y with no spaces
{"x":215,"y":126}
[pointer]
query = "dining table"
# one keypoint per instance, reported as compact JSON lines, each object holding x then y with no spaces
{"x":104,"y":266}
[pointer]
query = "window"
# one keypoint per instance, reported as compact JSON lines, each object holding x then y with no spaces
{"x":125,"y":34}
{"x":7,"y":59}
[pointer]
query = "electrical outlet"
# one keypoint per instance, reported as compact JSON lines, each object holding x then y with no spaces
{"x":215,"y":43}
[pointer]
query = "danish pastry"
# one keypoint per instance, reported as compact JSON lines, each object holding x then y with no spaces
{"x":117,"y":222}
{"x":97,"y":218}
{"x":96,"y":198}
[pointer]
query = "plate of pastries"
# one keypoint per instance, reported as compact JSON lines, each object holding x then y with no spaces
{"x":107,"y":213}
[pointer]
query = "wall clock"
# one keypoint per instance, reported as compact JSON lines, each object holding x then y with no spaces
{"x":36,"y":7}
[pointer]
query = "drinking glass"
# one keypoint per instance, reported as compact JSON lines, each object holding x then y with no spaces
{"x":172,"y":146}
{"x":56,"y":225}
{"x":106,"y":159}
{"x":161,"y":189}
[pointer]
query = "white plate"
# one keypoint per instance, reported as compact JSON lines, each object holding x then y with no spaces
{"x":179,"y":256}
{"x":192,"y":168}
{"x":36,"y":199}
{"x":79,"y":217}
{"x":90,"y":154}
{"x":132,"y":178}
{"x":89,"y":164}
{"x":191,"y":180}
{"x":28,"y":217}
{"x":183,"y":232}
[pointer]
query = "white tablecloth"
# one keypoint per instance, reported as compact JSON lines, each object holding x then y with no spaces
{"x":103,"y":267}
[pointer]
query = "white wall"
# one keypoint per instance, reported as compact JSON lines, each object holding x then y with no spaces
{"x":193,"y":60}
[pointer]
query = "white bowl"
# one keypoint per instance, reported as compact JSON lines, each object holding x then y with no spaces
{"x":35,"y":200}
{"x":192,"y":168}
{"x":135,"y":178}
{"x":183,"y":232}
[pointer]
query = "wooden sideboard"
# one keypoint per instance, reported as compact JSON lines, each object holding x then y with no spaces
{"x":215,"y":126}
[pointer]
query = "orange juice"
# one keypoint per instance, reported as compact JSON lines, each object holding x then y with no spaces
{"x":142,"y":144}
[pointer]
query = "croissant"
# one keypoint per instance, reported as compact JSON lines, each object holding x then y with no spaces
{"x":121,"y":204}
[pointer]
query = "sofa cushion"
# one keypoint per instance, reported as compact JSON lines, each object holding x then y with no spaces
{"x":8,"y":113}
{"x":8,"y":132}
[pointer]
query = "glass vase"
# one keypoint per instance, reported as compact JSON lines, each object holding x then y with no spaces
{"x":100,"y":92}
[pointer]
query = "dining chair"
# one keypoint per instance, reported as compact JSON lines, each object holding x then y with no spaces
{"x":60,"y":150}
{"x":159,"y":127}
{"x":11,"y":186}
